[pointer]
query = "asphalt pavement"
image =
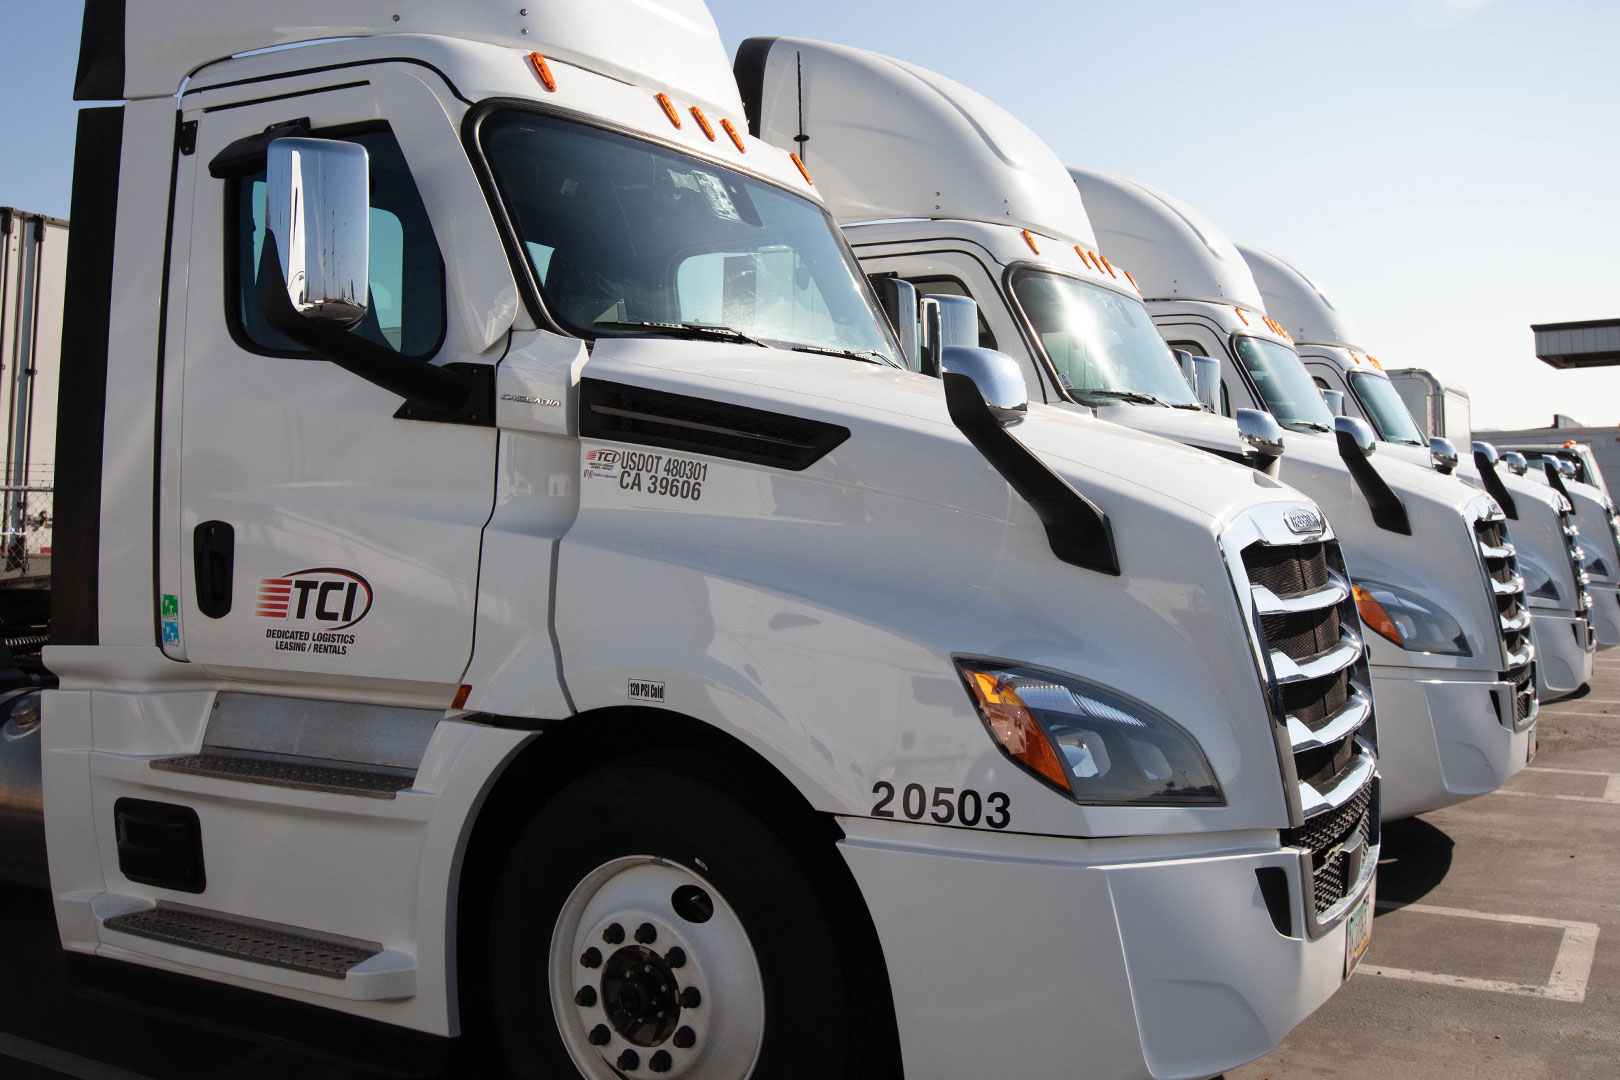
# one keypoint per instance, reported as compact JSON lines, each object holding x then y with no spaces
{"x":1495,"y":951}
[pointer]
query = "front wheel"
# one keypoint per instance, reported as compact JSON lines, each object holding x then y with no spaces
{"x":651,"y":922}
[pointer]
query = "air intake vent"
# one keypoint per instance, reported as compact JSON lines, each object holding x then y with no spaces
{"x":630,"y":414}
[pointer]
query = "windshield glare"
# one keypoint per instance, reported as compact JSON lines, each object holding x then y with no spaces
{"x":1284,"y":385}
{"x":622,"y":231}
{"x":1099,"y":341}
{"x":1385,"y":409}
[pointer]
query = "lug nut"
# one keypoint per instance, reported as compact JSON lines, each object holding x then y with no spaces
{"x":613,"y":934}
{"x":661,"y":1062}
{"x":629,"y":1060}
{"x":690,"y":998}
{"x":685,"y":1039}
{"x":646,"y":933}
{"x":586,"y":996}
{"x":676,"y":957}
{"x":590,"y":958}
{"x":600,"y":1035}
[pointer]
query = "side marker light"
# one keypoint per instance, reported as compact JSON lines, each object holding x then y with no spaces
{"x":735,"y":138}
{"x":703,"y":122}
{"x":669,"y":110}
{"x":804,"y":172}
{"x":1030,"y":240}
{"x":542,"y":71}
{"x":1374,"y":615}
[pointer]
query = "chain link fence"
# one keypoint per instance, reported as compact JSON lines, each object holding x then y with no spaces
{"x":28,"y":514}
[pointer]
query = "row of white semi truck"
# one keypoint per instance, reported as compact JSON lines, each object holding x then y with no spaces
{"x":568,"y":544}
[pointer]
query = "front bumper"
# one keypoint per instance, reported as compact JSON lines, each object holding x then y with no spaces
{"x":1115,"y":958}
{"x":1564,"y":652}
{"x":1441,"y":738}
{"x":1606,"y":612}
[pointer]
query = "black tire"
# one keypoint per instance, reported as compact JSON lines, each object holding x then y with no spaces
{"x":827,"y":1009}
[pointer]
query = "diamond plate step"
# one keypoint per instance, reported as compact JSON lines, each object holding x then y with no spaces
{"x":287,"y":947}
{"x":305,"y":774}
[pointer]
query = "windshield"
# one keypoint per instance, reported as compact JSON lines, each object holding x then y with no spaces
{"x":1285,"y":387}
{"x":1385,"y":409}
{"x":622,"y":233}
{"x":1103,"y":345}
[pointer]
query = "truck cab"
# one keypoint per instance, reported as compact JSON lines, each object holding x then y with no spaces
{"x":512,"y":587}
{"x":1547,"y":543}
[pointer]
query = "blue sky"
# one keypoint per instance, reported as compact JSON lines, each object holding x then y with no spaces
{"x":1447,"y":169}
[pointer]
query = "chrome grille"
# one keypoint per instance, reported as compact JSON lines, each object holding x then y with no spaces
{"x":1577,"y":559}
{"x":1501,"y":565}
{"x":1331,"y":838}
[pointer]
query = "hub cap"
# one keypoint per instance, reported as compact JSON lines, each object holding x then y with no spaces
{"x":652,"y":974}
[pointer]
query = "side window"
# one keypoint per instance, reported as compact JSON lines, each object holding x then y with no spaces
{"x":949,"y":286}
{"x":406,"y":311}
{"x":1321,"y":383}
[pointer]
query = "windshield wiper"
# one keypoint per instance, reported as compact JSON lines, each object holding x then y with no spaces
{"x":1312,"y":424}
{"x":687,"y":330}
{"x":1129,"y":395}
{"x":868,"y":356}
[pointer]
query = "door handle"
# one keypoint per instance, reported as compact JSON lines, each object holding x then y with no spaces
{"x":214,"y":559}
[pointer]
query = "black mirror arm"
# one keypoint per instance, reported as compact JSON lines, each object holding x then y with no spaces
{"x":1388,"y":512}
{"x":1494,"y":486}
{"x":431,"y":389}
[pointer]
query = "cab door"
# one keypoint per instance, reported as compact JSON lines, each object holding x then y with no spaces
{"x":310,"y":534}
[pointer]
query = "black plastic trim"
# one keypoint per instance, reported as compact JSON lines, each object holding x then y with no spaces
{"x":616,"y":412}
{"x":1555,"y":480}
{"x":80,"y":426}
{"x":749,"y":71}
{"x":159,"y":844}
{"x":158,"y":367}
{"x":332,"y":67}
{"x":1493,"y":485}
{"x":228,"y":106}
{"x":213,"y":558}
{"x":101,"y":52}
{"x":1273,"y":882}
{"x":1388,"y":512}
{"x":1080,"y":533}
{"x":247,"y":154}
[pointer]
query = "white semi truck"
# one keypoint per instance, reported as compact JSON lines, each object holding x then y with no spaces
{"x":1545,"y":539}
{"x":509,"y":585}
{"x":942,"y":188}
{"x":1442,"y":408}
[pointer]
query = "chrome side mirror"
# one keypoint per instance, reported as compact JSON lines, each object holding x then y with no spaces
{"x":1207,"y":382}
{"x":993,"y":376}
{"x":1184,"y":361}
{"x":317,"y":210}
{"x":1516,"y":462}
{"x":946,"y":321}
{"x":1335,"y":401}
{"x":1260,"y":432}
{"x":898,"y":299}
{"x":1567,"y":469}
{"x":1443,"y":455}
{"x":1354,"y":434}
{"x":1486,"y":451}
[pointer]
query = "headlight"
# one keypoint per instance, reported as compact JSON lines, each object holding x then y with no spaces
{"x":1538,"y":580}
{"x":1095,"y":746}
{"x":1410,"y":621}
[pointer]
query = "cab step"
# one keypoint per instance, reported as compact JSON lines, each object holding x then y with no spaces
{"x":264,"y":943}
{"x":306,"y":774}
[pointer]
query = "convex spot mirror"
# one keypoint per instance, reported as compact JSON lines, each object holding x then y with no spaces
{"x":317,"y":210}
{"x":1516,"y":462}
{"x":946,"y":321}
{"x":995,"y":377}
{"x":1356,"y":433}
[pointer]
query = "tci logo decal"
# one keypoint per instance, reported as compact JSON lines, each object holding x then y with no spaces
{"x":323,"y":594}
{"x":1302,"y":519}
{"x":602,"y":457}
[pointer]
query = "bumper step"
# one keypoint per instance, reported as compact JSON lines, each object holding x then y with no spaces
{"x":286,"y":947}
{"x":305,"y":774}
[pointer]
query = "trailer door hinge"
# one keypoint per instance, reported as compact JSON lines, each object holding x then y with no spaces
{"x":188,"y":138}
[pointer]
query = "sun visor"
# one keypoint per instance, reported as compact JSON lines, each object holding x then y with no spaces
{"x":887,"y":139}
{"x":144,"y":48}
{"x":1295,"y":301}
{"x":1174,"y":252}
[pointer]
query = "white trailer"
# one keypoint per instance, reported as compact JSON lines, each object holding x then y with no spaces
{"x":1540,"y":525}
{"x":511,"y":588}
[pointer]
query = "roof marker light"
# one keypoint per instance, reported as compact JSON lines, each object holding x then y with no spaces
{"x":804,"y":172}
{"x":1242,"y":316}
{"x":1030,"y":240}
{"x":1108,"y":266}
{"x":542,"y":71}
{"x":669,"y":110}
{"x":1352,"y":353}
{"x":735,"y":138}
{"x":1132,"y":280}
{"x":703,"y":122}
{"x":1373,"y":360}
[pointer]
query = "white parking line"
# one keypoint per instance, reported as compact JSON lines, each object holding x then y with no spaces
{"x":1572,"y":966}
{"x":63,"y":1061}
{"x":1611,"y":789}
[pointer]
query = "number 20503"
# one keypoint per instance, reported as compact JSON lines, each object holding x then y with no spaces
{"x":948,"y":806}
